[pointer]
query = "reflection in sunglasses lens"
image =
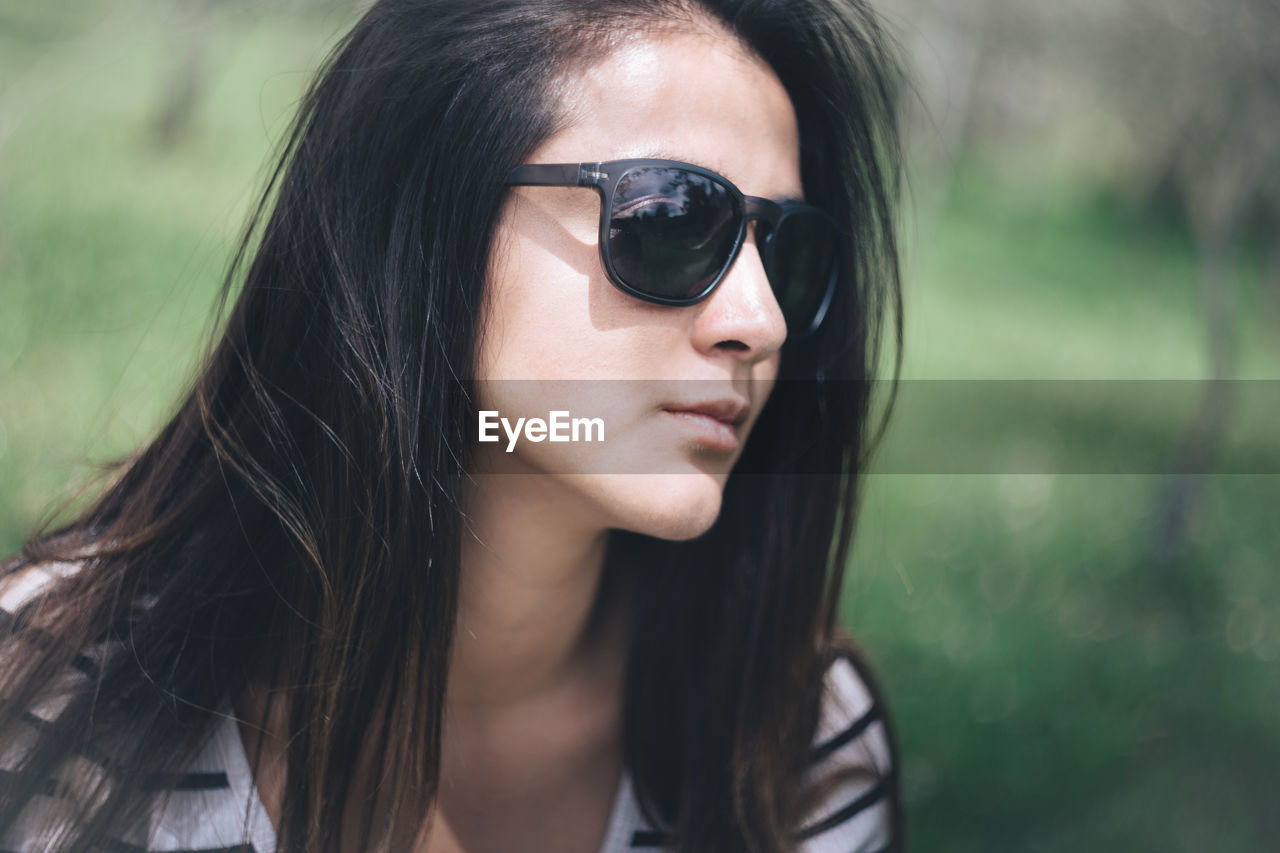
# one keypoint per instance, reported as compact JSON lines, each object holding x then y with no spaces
{"x":671,"y":230}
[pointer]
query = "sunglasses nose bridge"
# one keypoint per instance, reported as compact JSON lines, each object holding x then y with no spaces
{"x":762,"y":209}
{"x":756,"y":209}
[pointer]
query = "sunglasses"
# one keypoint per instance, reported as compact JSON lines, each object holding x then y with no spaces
{"x":670,"y":231}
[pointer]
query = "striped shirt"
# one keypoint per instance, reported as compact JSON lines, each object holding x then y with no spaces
{"x":214,"y":807}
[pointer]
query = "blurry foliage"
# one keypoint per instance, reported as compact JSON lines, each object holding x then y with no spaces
{"x":1172,"y":102}
{"x":1094,"y":662}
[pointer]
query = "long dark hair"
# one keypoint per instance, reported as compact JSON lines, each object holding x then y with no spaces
{"x":302,"y":505}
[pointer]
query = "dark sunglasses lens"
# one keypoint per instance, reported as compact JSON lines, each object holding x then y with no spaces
{"x":803,"y":263}
{"x":671,"y":231}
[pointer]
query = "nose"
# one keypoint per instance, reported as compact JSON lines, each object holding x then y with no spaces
{"x":742,"y":315}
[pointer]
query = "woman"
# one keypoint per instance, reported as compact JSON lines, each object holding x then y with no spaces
{"x":319,"y":613}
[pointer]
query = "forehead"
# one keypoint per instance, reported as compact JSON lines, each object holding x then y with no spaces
{"x":682,"y":94}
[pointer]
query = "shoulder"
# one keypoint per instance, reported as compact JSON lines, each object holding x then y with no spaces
{"x":29,"y":582}
{"x":207,"y":805}
{"x":853,"y":765}
{"x":20,"y":640}
{"x":53,"y":800}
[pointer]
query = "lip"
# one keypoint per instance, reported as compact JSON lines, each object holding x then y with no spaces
{"x":730,"y":410}
{"x":712,"y":423}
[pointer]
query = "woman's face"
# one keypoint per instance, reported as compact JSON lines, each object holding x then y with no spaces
{"x":560,"y":337}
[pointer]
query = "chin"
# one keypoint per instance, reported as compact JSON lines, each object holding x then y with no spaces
{"x":676,"y":507}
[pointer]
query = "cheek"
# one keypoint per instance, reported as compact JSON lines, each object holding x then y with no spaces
{"x":766,"y":375}
{"x":529,"y":314}
{"x":551,"y":313}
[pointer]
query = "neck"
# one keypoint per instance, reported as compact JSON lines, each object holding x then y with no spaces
{"x":529,"y":594}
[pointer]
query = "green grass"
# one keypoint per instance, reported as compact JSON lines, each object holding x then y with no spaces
{"x":1055,"y":684}
{"x":1054,"y":687}
{"x":113,"y":246}
{"x":1019,"y":283}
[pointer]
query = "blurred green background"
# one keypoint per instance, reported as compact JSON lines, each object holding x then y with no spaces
{"x":1075,"y":659}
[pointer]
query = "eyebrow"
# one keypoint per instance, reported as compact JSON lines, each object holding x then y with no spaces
{"x":663,"y":154}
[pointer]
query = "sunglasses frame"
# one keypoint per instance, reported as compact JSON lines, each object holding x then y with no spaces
{"x":604,"y":178}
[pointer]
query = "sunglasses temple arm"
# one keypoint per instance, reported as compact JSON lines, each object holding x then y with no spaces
{"x":554,"y":175}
